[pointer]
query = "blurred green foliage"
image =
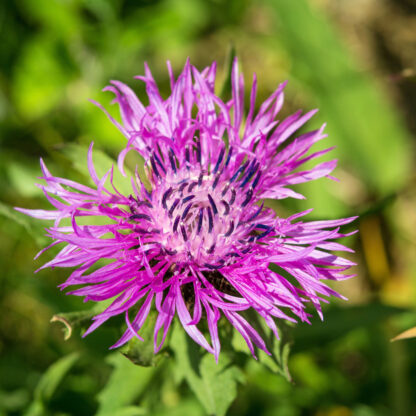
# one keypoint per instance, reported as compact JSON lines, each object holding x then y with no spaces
{"x":55,"y":54}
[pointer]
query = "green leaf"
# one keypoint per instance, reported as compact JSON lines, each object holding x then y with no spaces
{"x":226,"y":86}
{"x":59,"y":17}
{"x":365,"y":127}
{"x":11,"y":214}
{"x":22,"y":177}
{"x":34,"y":93}
{"x":339,"y":321}
{"x":370,"y":138}
{"x":13,"y":401}
{"x":215,"y":385}
{"x":36,"y":409}
{"x":130,"y":411}
{"x":31,"y":225}
{"x":124,"y":386}
{"x":49,"y":383}
{"x":53,"y":376}
{"x":142,"y":352}
{"x":187,"y":405}
{"x":279,"y":349}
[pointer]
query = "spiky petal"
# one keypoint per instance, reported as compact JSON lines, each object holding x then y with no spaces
{"x":199,"y":243}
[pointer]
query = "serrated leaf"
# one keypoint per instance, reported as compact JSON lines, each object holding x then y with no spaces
{"x":279,"y":349}
{"x":124,"y":386}
{"x":278,"y":360}
{"x":215,"y":385}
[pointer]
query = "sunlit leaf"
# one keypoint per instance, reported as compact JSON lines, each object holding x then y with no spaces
{"x":40,"y":78}
{"x":279,"y":349}
{"x":278,"y":360}
{"x":124,"y":386}
{"x":60,"y":17}
{"x":130,"y":411}
{"x":22,"y":177}
{"x":362,"y":123}
{"x":215,"y":385}
{"x":410,"y":333}
{"x":187,"y":405}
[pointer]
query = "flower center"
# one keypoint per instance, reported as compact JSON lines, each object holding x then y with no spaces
{"x":202,"y":216}
{"x":199,"y":218}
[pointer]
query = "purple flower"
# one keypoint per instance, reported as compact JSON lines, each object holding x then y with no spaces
{"x":199,"y":241}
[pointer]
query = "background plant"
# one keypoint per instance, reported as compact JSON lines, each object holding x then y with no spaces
{"x":356,"y":63}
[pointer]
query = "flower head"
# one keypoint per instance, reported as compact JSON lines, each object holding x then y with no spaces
{"x":198,"y":242}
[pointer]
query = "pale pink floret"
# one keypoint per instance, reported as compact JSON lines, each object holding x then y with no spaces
{"x":199,"y":243}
